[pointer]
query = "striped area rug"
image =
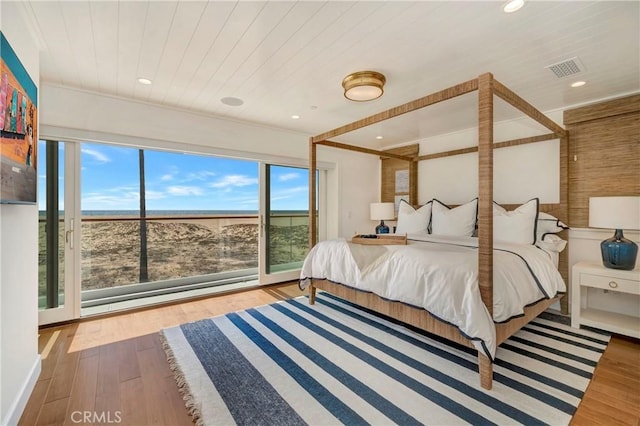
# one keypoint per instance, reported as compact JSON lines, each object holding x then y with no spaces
{"x":332,"y":363}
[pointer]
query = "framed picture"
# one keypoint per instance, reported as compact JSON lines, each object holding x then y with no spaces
{"x":18,"y":129}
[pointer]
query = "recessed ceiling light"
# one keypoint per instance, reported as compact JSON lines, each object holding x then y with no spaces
{"x":379,"y":137}
{"x":513,"y":5}
{"x":143,"y":80}
{"x":231,"y":101}
{"x":295,"y":116}
{"x":578,"y":83}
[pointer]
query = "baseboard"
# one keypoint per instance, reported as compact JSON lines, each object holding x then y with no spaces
{"x":20,"y":401}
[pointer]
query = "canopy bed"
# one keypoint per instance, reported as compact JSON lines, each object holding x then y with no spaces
{"x":486,"y":87}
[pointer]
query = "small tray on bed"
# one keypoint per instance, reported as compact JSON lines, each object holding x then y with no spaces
{"x":379,"y":239}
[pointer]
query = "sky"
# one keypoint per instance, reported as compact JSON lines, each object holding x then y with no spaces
{"x":176,"y":181}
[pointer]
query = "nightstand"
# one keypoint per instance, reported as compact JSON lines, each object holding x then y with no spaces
{"x":592,"y":275}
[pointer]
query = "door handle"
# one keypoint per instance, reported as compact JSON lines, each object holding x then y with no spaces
{"x":68,"y":238}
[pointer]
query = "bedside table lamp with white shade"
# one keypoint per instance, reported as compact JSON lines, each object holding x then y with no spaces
{"x":382,"y":212}
{"x":616,"y":213}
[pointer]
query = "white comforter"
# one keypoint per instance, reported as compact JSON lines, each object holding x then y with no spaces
{"x":440,"y":274}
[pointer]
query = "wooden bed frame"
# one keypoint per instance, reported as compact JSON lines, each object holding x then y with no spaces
{"x":487,"y":87}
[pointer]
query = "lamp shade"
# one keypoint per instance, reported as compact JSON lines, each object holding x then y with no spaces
{"x":614,"y":212}
{"x":382,"y":211}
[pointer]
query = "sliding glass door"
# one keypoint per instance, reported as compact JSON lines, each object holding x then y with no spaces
{"x":284,"y":222}
{"x":156,"y":223}
{"x":120,"y":223}
{"x":58,"y":299}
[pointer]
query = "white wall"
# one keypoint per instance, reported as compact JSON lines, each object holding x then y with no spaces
{"x":354,"y":185}
{"x":520,"y":172}
{"x":19,"y":359}
{"x":82,"y":110}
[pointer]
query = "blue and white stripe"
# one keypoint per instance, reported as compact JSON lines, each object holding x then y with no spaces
{"x":331,"y":363}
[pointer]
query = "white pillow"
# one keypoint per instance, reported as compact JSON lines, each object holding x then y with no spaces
{"x":552,"y":245}
{"x":517,"y":226}
{"x":459,"y":221}
{"x":548,"y":224}
{"x":552,"y":242}
{"x":412,"y":221}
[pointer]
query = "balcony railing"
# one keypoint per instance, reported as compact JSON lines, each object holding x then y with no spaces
{"x":182,"y":251}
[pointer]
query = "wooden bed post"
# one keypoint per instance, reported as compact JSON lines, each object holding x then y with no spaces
{"x":312,"y":209}
{"x":313,"y":237}
{"x":485,"y":209}
{"x":564,"y":209}
{"x":312,"y":294}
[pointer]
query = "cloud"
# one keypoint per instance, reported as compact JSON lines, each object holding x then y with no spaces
{"x":118,"y":198}
{"x":283,"y":194}
{"x":235,"y":181}
{"x":201,"y":175}
{"x":166,"y":177}
{"x":96,"y":155}
{"x":154,"y":195}
{"x":178,"y":190}
{"x":288,"y":176}
{"x":102,"y":201}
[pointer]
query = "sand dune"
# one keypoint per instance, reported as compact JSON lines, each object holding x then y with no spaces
{"x":110,"y":250}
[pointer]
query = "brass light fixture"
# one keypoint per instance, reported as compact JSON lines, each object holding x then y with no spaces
{"x":363,"y":86}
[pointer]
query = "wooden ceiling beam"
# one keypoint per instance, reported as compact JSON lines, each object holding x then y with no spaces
{"x":434,"y":98}
{"x":347,"y":147}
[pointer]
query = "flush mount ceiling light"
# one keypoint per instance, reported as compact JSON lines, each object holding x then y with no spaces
{"x":143,"y":80}
{"x":363,"y":86}
{"x":578,"y":83}
{"x":513,"y":5}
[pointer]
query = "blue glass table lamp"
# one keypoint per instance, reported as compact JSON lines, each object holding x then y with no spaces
{"x":616,"y":213}
{"x":382,"y":212}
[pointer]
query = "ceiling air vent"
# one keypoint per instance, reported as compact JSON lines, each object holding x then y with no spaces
{"x":567,"y":67}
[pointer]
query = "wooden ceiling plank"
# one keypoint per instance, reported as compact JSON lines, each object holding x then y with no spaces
{"x":517,"y":102}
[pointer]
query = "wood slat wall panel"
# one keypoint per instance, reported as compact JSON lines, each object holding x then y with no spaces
{"x":388,"y":169}
{"x":602,"y":110}
{"x":604,"y":155}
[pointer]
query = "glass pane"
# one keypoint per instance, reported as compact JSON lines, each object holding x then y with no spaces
{"x":199,"y":217}
{"x":51,"y":247}
{"x":288,"y":217}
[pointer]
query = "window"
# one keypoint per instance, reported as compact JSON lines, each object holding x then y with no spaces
{"x":167,"y":218}
{"x":134,"y":223}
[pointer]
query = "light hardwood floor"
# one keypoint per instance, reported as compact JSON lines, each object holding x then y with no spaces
{"x":114,"y":370}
